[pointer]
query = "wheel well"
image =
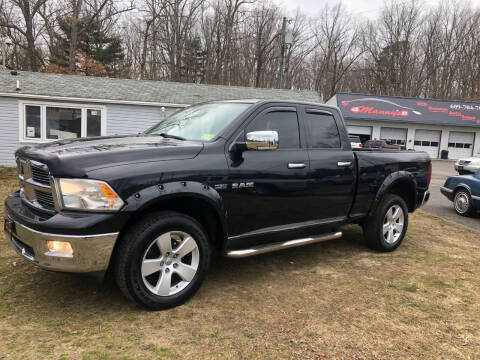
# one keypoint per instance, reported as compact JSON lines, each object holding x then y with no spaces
{"x":458,"y":188}
{"x":199,"y":209}
{"x":406,"y":190}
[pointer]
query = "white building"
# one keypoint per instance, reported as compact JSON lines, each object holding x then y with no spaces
{"x":418,"y":124}
{"x":39,"y":107}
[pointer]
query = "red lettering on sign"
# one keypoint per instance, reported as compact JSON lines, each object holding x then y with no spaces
{"x":431,"y":108}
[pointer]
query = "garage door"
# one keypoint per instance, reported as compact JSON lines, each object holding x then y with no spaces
{"x":428,"y":141}
{"x":394,"y":135}
{"x":363,"y":132}
{"x":359,"y":130}
{"x":460,"y":144}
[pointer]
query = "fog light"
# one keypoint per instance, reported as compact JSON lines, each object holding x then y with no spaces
{"x":60,"y":248}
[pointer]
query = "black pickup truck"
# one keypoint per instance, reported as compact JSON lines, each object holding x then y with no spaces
{"x":237,"y":177}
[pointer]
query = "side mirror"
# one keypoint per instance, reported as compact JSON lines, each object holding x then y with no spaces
{"x":262,"y":140}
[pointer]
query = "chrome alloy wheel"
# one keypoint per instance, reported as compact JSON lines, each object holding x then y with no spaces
{"x":170,"y":263}
{"x":393,"y":224}
{"x":461,"y":202}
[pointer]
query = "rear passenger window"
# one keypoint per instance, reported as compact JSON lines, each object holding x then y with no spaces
{"x":323,"y":131}
{"x":285,"y":123}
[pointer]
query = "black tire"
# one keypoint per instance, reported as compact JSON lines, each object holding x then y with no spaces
{"x":133,"y":249}
{"x":464,"y":172}
{"x":374,"y":226}
{"x":462,"y":202}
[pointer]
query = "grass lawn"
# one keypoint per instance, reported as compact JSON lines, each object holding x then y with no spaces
{"x":333,"y":300}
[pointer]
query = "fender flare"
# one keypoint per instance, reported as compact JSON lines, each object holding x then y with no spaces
{"x":388,"y":183}
{"x":463,"y":185}
{"x":151,"y":195}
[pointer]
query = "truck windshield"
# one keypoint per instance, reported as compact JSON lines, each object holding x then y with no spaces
{"x":200,"y":122}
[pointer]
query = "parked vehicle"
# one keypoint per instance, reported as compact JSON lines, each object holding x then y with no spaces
{"x":468,"y":166}
{"x":381,"y":144}
{"x":239,"y":177}
{"x":464,"y":191}
{"x":355,"y":142}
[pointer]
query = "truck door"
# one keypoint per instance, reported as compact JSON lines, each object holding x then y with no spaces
{"x":269,"y":188}
{"x":332,"y":164}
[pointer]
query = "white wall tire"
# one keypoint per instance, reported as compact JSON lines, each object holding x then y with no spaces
{"x":462,"y":202}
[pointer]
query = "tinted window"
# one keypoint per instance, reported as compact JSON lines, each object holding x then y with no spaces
{"x":322,"y":130}
{"x":285,"y":123}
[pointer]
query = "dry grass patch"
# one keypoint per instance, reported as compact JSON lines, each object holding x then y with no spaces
{"x":334,"y":300}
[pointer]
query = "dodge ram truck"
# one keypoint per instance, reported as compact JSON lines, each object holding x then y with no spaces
{"x":239,"y":178}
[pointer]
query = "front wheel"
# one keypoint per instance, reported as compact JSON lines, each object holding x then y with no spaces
{"x":386,"y":228}
{"x":162,"y":260}
{"x":462,"y":202}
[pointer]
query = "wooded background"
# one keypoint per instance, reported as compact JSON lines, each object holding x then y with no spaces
{"x":408,"y":49}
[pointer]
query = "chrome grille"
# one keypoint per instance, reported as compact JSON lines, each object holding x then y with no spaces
{"x":40,"y":175}
{"x":35,"y":187}
{"x":45,"y":199}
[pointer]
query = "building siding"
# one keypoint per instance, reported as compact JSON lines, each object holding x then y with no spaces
{"x":131,"y":119}
{"x":121,"y":119}
{"x":8,"y":130}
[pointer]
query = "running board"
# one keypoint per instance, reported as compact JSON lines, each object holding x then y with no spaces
{"x":257,"y":250}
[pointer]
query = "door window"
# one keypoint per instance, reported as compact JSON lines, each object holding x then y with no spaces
{"x":323,"y":130}
{"x":285,"y":123}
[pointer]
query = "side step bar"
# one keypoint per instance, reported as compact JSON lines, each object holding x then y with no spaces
{"x":257,"y":250}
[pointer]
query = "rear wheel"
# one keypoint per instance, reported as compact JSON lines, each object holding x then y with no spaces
{"x":386,"y":228}
{"x":162,"y":260}
{"x":462,"y":202}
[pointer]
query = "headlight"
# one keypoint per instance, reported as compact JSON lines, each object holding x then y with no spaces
{"x":94,"y":195}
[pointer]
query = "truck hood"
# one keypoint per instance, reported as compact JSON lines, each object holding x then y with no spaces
{"x":75,"y":158}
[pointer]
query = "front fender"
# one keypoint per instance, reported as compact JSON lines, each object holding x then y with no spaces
{"x":390,"y":181}
{"x":148,"y":196}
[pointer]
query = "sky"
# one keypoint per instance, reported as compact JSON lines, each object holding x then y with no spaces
{"x":365,"y":8}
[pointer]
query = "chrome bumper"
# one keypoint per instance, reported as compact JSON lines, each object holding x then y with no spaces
{"x":91,"y":253}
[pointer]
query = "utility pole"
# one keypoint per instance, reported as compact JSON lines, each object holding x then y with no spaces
{"x":282,"y":54}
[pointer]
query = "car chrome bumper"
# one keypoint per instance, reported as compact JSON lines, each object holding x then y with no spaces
{"x":448,"y":193}
{"x":91,"y":253}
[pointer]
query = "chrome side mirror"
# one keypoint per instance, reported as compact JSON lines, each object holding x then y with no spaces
{"x":262,"y":140}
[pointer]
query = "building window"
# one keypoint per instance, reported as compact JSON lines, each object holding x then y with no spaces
{"x":43,"y":122}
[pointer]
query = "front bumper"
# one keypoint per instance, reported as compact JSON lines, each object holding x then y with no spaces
{"x":448,"y":193}
{"x":91,"y":251}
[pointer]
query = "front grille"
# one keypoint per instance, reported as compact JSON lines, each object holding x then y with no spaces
{"x":40,"y":175}
{"x":36,"y":190}
{"x":45,"y":199}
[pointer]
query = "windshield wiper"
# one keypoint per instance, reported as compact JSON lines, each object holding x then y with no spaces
{"x":168,"y":136}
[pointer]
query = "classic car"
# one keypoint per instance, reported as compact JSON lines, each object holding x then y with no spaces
{"x":464,"y":191}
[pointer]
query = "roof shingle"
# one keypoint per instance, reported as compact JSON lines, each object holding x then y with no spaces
{"x":89,"y":87}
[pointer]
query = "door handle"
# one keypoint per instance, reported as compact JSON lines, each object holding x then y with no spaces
{"x":344,"y":163}
{"x":296,"y":165}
